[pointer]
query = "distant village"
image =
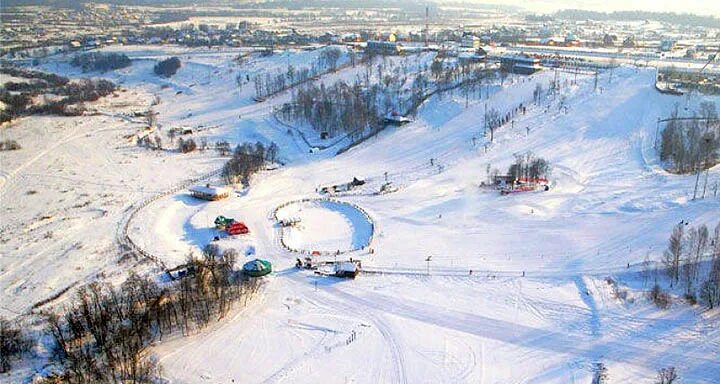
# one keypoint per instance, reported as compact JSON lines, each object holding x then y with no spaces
{"x":91,"y":26}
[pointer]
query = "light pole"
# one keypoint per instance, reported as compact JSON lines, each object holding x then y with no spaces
{"x":429,"y":258}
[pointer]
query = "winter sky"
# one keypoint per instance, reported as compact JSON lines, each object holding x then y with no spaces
{"x":701,"y":7}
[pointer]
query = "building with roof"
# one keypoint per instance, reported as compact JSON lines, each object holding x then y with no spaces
{"x":470,"y":41}
{"x":383,"y":47}
{"x":208,"y":192}
{"x":520,"y":64}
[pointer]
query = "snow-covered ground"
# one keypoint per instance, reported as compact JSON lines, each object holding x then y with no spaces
{"x":325,"y":226}
{"x":514,"y":289}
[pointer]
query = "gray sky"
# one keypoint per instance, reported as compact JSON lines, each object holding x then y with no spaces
{"x":700,"y":7}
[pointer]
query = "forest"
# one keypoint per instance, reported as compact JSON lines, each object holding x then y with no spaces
{"x":691,"y":262}
{"x":67,"y":95}
{"x":103,"y":335}
{"x":100,"y":61}
{"x":691,"y":144}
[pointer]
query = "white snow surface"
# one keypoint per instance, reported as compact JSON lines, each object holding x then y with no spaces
{"x":325,"y":226}
{"x":467,"y":315}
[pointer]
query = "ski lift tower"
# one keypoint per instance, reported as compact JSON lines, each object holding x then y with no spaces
{"x":427,"y":25}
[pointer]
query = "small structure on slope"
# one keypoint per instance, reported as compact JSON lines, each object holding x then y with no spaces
{"x":397,"y":119}
{"x":339,"y":268}
{"x":208,"y":192}
{"x":508,"y":184}
{"x":221,"y":222}
{"x":237,"y":228}
{"x":343,"y":187}
{"x":257,"y":268}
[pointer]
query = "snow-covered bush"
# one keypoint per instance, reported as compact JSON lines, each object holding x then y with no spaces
{"x":168,"y":67}
{"x":659,"y":297}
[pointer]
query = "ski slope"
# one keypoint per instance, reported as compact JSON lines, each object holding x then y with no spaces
{"x":610,"y":206}
{"x":515,"y":288}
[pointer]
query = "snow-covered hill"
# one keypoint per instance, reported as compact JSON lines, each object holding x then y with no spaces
{"x":515,"y":289}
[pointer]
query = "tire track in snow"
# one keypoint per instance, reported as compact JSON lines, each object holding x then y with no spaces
{"x":398,"y":360}
{"x":577,"y":345}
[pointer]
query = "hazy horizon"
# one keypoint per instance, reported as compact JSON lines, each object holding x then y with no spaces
{"x":699,"y":7}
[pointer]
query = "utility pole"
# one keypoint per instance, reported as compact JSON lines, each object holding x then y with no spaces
{"x":657,"y":129}
{"x":427,"y":25}
{"x":707,"y":164}
{"x":486,"y":122}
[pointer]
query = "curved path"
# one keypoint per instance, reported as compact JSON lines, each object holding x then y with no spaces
{"x":359,"y":239}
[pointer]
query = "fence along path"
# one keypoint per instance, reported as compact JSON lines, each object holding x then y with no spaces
{"x":126,"y":243}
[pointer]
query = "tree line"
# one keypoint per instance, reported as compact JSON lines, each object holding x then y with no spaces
{"x":19,"y":98}
{"x":668,"y":17}
{"x":527,"y":166}
{"x":13,"y":343}
{"x":691,"y":145}
{"x":340,"y":108}
{"x":100,"y":61}
{"x":103,"y":336}
{"x":247,"y":159}
{"x":359,"y":106}
{"x":692,"y":261}
{"x":268,"y":84}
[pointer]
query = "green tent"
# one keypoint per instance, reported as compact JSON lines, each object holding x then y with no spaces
{"x":257,"y":268}
{"x":221,"y":221}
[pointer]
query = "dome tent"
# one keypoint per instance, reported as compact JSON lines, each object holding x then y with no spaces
{"x":257,"y":268}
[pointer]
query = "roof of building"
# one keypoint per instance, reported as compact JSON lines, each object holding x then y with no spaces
{"x":209,"y":190}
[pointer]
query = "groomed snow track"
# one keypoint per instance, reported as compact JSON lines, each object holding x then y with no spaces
{"x":336,"y":201}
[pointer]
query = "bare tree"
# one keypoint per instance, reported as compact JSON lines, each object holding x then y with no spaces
{"x":666,"y":376}
{"x":13,"y":343}
{"x":674,"y":252}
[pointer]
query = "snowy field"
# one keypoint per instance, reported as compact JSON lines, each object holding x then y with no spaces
{"x":516,"y":287}
{"x":325,"y":226}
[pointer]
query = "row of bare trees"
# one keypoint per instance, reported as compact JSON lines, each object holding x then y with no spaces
{"x":269,"y":84}
{"x":246,"y":160}
{"x":101,"y":61}
{"x":692,"y":260}
{"x":692,"y":144}
{"x":67,"y":100}
{"x":529,"y":167}
{"x":104,"y":335}
{"x":338,"y":109}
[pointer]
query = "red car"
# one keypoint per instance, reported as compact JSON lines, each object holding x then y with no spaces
{"x":237,"y":228}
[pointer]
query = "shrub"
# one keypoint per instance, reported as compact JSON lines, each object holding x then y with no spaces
{"x":659,"y":297}
{"x":9,"y":145}
{"x":13,"y":343}
{"x":168,"y":67}
{"x":666,"y":376}
{"x":690,"y":298}
{"x":186,"y":146}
